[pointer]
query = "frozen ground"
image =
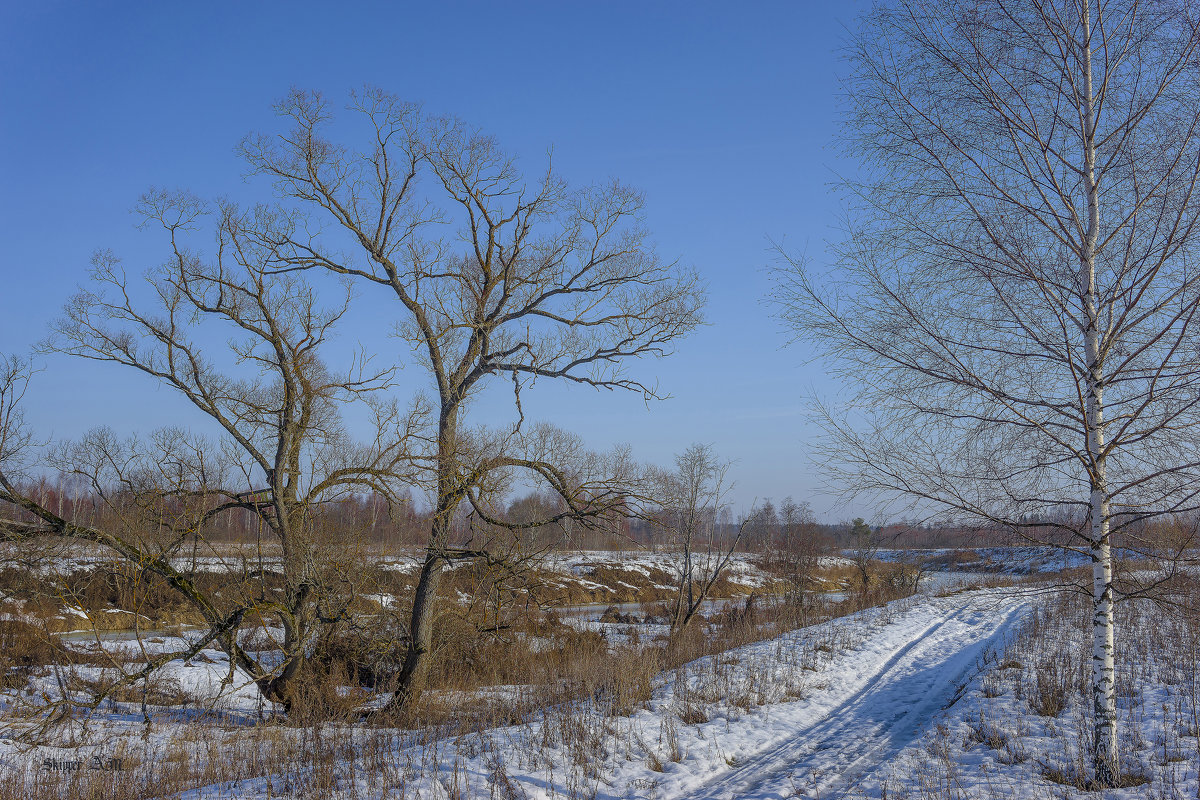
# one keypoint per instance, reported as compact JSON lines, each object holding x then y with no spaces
{"x":741,"y":568}
{"x":898,"y":702}
{"x":929,"y":698}
{"x":815,"y":713}
{"x":1021,"y":560}
{"x":887,"y":691}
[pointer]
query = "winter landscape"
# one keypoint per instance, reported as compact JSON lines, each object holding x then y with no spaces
{"x":541,"y":401}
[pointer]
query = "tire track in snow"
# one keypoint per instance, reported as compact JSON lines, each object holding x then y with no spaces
{"x":888,"y":711}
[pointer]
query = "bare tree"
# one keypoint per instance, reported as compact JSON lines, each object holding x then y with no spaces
{"x":692,"y":498}
{"x":1018,"y":282}
{"x":282,"y":449}
{"x":763,"y":527}
{"x":864,"y":547}
{"x":495,"y":276}
{"x":15,"y":437}
{"x":801,"y":547}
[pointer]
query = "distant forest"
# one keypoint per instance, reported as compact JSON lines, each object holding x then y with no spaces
{"x":371,"y":519}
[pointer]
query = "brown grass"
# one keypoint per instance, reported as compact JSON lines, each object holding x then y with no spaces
{"x":547,"y":667}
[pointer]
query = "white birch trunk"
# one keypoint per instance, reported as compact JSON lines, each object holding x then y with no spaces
{"x":1104,"y":755}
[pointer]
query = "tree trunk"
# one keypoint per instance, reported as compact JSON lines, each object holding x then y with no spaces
{"x":298,"y":616}
{"x":1103,"y":670}
{"x":421,"y":623}
{"x":416,"y":660}
{"x":299,"y":630}
{"x":1104,"y":754}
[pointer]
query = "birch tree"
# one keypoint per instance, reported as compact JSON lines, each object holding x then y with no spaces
{"x":1016,"y":292}
{"x":495,"y":275}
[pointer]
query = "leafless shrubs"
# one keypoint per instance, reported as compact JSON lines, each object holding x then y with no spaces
{"x":984,"y":731}
{"x":1053,"y":684}
{"x":23,"y":648}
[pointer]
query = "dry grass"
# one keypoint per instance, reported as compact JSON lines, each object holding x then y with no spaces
{"x":1033,"y":718}
{"x":532,"y":667}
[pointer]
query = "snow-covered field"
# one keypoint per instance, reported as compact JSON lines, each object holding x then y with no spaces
{"x":1005,"y":560}
{"x":815,"y":713}
{"x":960,"y":692}
{"x":1023,"y":728}
{"x":742,"y":568}
{"x":818,"y":711}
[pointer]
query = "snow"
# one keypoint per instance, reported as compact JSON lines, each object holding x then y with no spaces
{"x":384,"y":600}
{"x":891,"y":690}
{"x":211,"y":682}
{"x":815,"y":711}
{"x":741,"y":569}
{"x":884,"y":703}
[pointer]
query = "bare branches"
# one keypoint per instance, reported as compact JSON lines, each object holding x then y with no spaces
{"x":958,"y":287}
{"x":15,"y":437}
{"x":277,"y":404}
{"x":1021,"y":287}
{"x":542,"y":280}
{"x":277,"y":400}
{"x":495,"y":275}
{"x":691,"y":501}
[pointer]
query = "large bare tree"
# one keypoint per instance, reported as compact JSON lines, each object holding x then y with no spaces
{"x":495,"y":275}
{"x":277,"y":409}
{"x":1016,"y":293}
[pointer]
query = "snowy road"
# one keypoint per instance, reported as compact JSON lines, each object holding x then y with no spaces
{"x":884,"y":703}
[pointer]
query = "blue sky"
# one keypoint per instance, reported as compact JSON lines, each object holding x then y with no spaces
{"x":722,"y":113}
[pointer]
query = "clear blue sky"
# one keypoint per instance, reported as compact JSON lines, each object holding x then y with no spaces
{"x":722,"y":112}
